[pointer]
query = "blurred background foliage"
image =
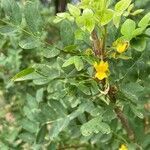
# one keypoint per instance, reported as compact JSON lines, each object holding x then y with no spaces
{"x":26,"y":106}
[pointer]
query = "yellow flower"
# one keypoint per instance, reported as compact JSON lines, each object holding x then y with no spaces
{"x":123,"y":147}
{"x":101,"y":70}
{"x":122,"y":47}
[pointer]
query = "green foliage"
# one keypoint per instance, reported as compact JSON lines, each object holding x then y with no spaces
{"x":12,"y":10}
{"x":126,"y":31}
{"x":61,"y":102}
{"x":95,"y":126}
{"x":76,"y":60}
{"x":74,"y":11}
{"x":144,"y":21}
{"x":122,"y":5}
{"x":33,"y":20}
{"x":22,"y":74}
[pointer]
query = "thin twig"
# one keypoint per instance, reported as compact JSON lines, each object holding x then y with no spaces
{"x":125,"y":123}
{"x":104,"y":38}
{"x":96,"y":44}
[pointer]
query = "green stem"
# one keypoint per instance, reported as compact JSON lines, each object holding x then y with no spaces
{"x":104,"y":39}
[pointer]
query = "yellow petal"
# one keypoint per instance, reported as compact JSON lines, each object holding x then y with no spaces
{"x":101,"y":67}
{"x":123,"y":147}
{"x":101,"y":75}
{"x":122,"y":47}
{"x":106,"y":66}
{"x":101,"y":63}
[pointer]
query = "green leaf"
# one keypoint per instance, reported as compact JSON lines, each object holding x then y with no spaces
{"x":76,"y":60}
{"x":84,"y":89}
{"x":89,"y":22}
{"x":52,"y":146}
{"x":11,"y":137}
{"x":12,"y":10}
{"x":137,"y":12}
{"x":87,"y":13}
{"x":41,"y":134}
{"x":86,"y":22}
{"x":58,"y":126}
{"x":132,"y":91}
{"x":41,"y":81}
{"x":74,"y":11}
{"x":145,"y":21}
{"x":95,"y":126}
{"x":80,"y":34}
{"x":22,"y":74}
{"x":124,"y":57}
{"x":139,"y":44}
{"x":127,"y":29}
{"x":136,"y":111}
{"x":27,"y":137}
{"x":29,"y":126}
{"x":32,"y":16}
{"x":46,"y":70}
{"x":39,"y":95}
{"x":78,"y":63}
{"x":48,"y":112}
{"x":103,"y":4}
{"x":97,"y":111}
{"x":137,"y":32}
{"x":106,"y":17}
{"x":61,"y":16}
{"x":122,"y":5}
{"x":7,"y":30}
{"x":28,"y":113}
{"x":58,"y":108}
{"x":109,"y":114}
{"x":67,"y":33}
{"x":68,"y":62}
{"x":31,"y":102}
{"x":81,"y":21}
{"x":130,"y":8}
{"x":29,"y":43}
{"x":70,"y":48}
{"x":94,"y":87}
{"x":116,"y":19}
{"x":51,"y":52}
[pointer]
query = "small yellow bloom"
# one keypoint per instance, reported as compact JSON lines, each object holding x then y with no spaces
{"x":123,"y":147}
{"x":101,"y":70}
{"x":122,"y":47}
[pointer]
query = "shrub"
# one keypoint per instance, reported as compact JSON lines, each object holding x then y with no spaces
{"x":91,"y":85}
